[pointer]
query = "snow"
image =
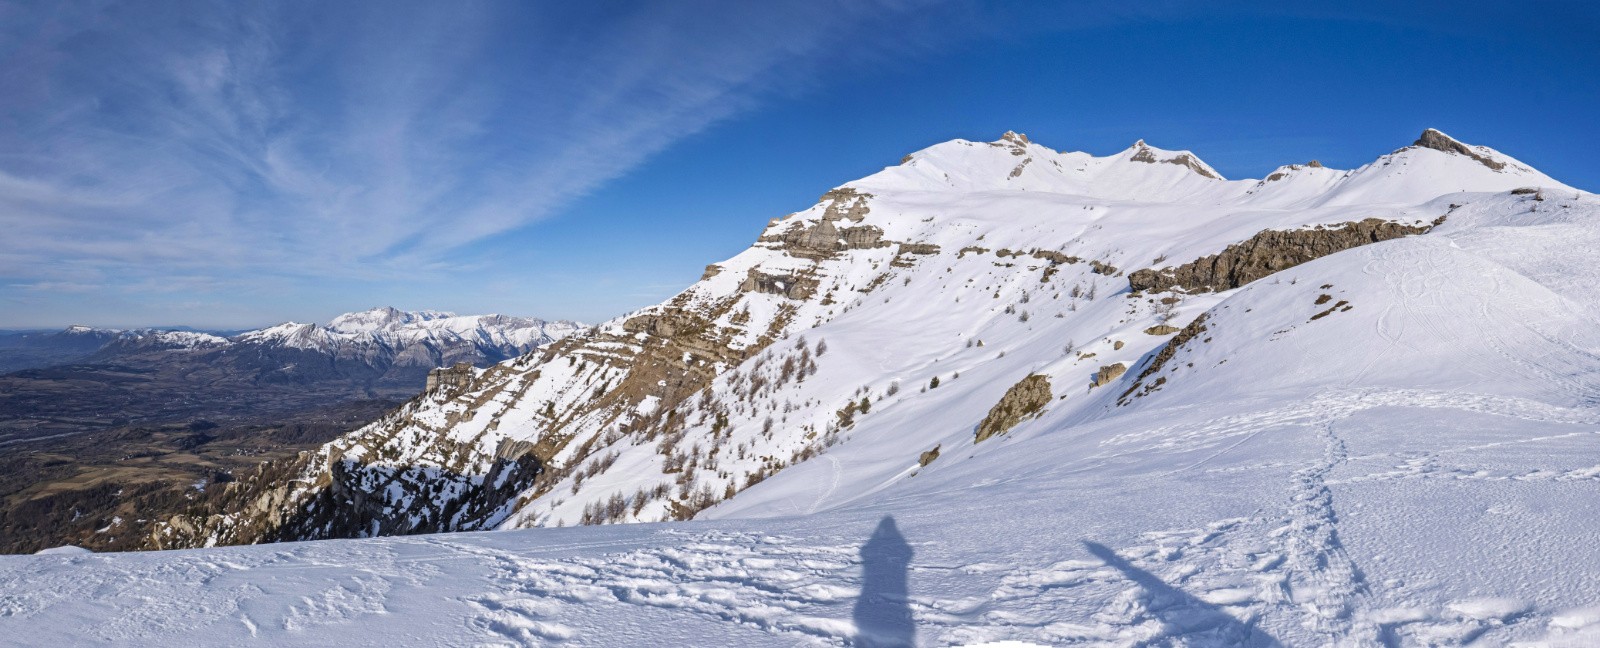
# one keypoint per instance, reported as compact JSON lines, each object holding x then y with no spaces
{"x":389,"y":327}
{"x":1111,"y":549}
{"x":365,"y":331}
{"x":1422,"y":468}
{"x":173,"y":339}
{"x":64,"y":550}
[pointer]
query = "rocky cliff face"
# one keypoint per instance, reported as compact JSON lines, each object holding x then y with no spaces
{"x":1268,"y":252}
{"x":900,"y":290}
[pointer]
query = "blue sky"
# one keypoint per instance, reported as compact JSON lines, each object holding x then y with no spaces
{"x":211,"y":165}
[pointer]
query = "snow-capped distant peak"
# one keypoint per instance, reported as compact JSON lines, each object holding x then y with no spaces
{"x":79,"y":329}
{"x":173,"y":339}
{"x":382,"y":318}
{"x":1142,"y":152}
{"x":289,"y":334}
{"x":394,"y":328}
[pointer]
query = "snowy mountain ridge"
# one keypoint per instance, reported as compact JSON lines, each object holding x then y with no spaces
{"x":381,"y":331}
{"x":1076,"y":400}
{"x":389,"y":327}
{"x":973,"y":231}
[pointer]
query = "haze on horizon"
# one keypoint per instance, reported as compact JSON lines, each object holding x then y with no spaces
{"x":223,"y":167}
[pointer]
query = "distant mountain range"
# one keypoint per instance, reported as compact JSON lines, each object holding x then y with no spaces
{"x":87,"y":413}
{"x":381,"y":347}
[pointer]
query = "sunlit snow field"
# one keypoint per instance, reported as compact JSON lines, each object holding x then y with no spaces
{"x":1422,"y":468}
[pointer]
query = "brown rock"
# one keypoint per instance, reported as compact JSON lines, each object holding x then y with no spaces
{"x":1190,"y":332}
{"x":1440,"y":142}
{"x":450,"y":379}
{"x":1107,"y":374}
{"x":1023,"y":401}
{"x":791,"y":286}
{"x":1267,"y":252}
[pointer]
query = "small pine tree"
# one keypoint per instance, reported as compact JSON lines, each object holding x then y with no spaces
{"x":865,"y":406}
{"x":933,"y":384}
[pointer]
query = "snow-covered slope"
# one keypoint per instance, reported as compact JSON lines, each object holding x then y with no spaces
{"x":934,"y":268}
{"x":1368,"y":420}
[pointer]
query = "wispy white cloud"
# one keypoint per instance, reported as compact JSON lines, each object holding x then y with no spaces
{"x":206,"y":147}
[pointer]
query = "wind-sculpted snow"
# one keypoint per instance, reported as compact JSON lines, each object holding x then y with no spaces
{"x":1393,"y":444}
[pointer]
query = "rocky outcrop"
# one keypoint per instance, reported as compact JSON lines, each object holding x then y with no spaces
{"x":845,"y":203}
{"x":1144,"y":154}
{"x":826,"y":238}
{"x":928,"y":457}
{"x":1267,"y":252}
{"x":1438,"y":141}
{"x":1023,"y":401}
{"x":1016,"y":142}
{"x":1189,"y":333}
{"x":451,"y":379}
{"x":791,"y":286}
{"x":1054,"y":257}
{"x":1107,"y":374}
{"x":1161,"y":329}
{"x":1279,"y":175}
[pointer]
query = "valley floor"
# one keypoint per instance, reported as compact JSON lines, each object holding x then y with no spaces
{"x":1357,"y":517}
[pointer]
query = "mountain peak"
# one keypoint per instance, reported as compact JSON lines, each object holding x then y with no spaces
{"x":382,"y":318}
{"x":1014,"y":137}
{"x":1438,"y":141}
{"x":1142,"y":152}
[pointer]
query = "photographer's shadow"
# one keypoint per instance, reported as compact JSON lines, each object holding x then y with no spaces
{"x":883,"y":613}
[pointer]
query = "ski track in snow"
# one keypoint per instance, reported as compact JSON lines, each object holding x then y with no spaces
{"x":1323,"y":581}
{"x":1332,"y":405}
{"x":834,"y":472}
